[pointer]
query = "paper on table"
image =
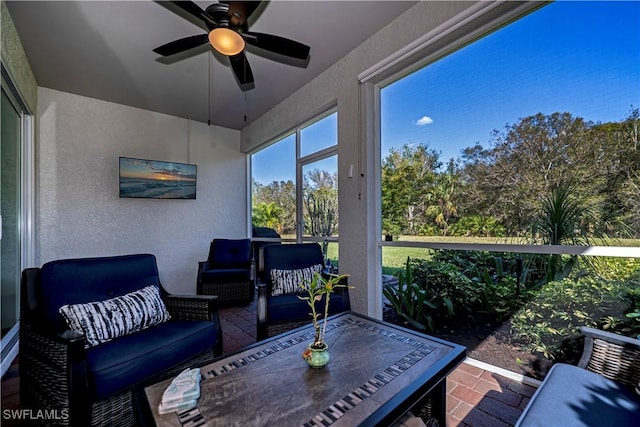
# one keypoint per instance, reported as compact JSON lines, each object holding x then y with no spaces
{"x":177,"y":407}
{"x":182,"y":393}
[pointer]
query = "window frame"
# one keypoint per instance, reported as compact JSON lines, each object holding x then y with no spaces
{"x":300,"y":162}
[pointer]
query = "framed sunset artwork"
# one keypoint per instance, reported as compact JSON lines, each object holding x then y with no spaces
{"x":155,"y":179}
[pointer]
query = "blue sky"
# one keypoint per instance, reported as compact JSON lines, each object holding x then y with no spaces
{"x":577,"y":57}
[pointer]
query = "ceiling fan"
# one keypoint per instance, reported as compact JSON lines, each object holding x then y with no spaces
{"x":229,"y":33}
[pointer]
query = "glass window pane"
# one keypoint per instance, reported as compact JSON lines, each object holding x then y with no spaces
{"x":320,"y":199}
{"x":10,"y":211}
{"x":273,"y":189}
{"x":319,"y":135}
{"x":480,"y":145}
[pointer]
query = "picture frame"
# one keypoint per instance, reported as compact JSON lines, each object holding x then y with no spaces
{"x":156,"y":179}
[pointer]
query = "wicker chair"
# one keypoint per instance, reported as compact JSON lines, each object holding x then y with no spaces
{"x":280,"y":313}
{"x":228,"y":272}
{"x":613,"y":356}
{"x":100,"y":385}
{"x":602,"y":390}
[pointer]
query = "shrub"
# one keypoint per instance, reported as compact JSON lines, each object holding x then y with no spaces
{"x":410,"y":300}
{"x":446,"y":284}
{"x":499,"y":292}
{"x":560,"y":307}
{"x":477,"y":226}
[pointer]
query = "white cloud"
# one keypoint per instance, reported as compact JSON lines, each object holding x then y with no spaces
{"x":425,"y":120}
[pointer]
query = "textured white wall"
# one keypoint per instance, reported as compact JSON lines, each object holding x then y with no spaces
{"x":339,"y":83}
{"x":79,"y":211}
{"x":14,"y":58}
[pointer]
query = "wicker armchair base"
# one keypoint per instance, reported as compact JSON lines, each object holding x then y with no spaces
{"x":116,"y":410}
{"x":229,"y":293}
{"x":278,"y":328}
{"x":613,"y":360}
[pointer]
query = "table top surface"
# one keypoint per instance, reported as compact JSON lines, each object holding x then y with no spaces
{"x":375,"y":368}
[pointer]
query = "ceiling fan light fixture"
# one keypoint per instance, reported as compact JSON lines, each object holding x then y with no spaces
{"x":226,"y":41}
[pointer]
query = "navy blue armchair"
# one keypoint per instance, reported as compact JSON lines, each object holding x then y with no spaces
{"x":228,"y":272}
{"x":279,"y":308}
{"x":130,"y":333}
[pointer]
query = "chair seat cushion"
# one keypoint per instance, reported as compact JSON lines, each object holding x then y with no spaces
{"x":131,"y":359}
{"x":574,"y":397}
{"x":226,"y":275}
{"x":291,"y":308}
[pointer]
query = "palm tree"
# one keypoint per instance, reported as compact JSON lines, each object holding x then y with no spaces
{"x":564,"y":221}
{"x":444,"y":193}
{"x":267,"y":215}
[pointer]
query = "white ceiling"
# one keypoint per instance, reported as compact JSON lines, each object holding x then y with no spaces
{"x":103,"y":50}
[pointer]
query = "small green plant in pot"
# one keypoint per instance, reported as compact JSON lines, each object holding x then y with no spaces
{"x":317,"y":353}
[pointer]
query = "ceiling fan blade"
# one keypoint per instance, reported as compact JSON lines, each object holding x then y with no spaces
{"x":241,"y":68}
{"x":277,"y":44}
{"x":181,"y":45}
{"x":240,"y":11}
{"x":190,"y":7}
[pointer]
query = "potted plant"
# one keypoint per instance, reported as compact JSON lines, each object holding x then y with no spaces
{"x":317,"y":354}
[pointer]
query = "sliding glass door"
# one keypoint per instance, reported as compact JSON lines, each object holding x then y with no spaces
{"x":10,"y":211}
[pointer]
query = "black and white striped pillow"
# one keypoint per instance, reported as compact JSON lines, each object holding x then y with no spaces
{"x":289,"y":281}
{"x":105,"y":320}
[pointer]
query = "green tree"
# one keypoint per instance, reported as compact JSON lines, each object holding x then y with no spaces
{"x":621,"y":158}
{"x":565,"y":220}
{"x":525,"y":162}
{"x":443,"y":197}
{"x":320,"y":202}
{"x":283,"y":195}
{"x":408,"y":173}
{"x":267,"y":215}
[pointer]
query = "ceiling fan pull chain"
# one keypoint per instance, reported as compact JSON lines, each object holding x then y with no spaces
{"x":209,"y":117}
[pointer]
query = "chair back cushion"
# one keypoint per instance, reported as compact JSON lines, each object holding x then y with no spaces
{"x":84,"y":280}
{"x":230,"y":253}
{"x":265,"y":232}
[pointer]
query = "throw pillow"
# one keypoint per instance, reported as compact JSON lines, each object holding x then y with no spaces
{"x":289,"y":281}
{"x":105,"y":320}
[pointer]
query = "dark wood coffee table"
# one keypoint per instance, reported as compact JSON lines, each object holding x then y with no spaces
{"x":377,"y":372}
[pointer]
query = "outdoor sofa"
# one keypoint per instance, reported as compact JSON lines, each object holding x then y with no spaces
{"x":603,"y":390}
